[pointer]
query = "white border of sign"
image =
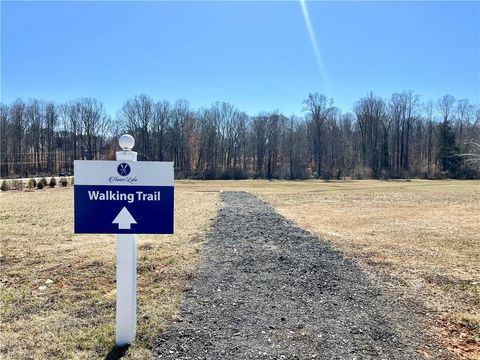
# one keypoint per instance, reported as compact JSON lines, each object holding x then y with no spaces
{"x":104,"y":172}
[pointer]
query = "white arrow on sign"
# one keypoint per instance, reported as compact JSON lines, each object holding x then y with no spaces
{"x":124,"y":219}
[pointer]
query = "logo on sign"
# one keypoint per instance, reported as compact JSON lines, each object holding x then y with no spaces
{"x":123,"y":169}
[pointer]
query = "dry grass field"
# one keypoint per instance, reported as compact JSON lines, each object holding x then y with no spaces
{"x":58,"y":289}
{"x":420,"y":239}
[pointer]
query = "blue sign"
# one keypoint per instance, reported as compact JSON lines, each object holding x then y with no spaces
{"x":123,"y":198}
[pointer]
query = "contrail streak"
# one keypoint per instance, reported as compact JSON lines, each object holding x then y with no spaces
{"x":316,"y":50}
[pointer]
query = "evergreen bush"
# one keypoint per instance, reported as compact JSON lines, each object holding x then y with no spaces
{"x":53,"y":182}
{"x":31,"y":183}
{"x":5,"y":185}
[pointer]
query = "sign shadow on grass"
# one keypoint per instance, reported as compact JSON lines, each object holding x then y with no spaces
{"x":117,"y":352}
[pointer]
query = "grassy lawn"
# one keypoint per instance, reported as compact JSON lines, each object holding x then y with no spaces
{"x":420,"y":239}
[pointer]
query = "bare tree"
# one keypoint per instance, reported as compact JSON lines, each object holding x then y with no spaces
{"x":18,"y":127}
{"x":403,"y":112}
{"x":446,"y":106}
{"x":4,"y":143}
{"x":319,"y":107}
{"x":161,"y":122}
{"x":51,"y":119}
{"x":259,"y":128}
{"x":380,"y":139}
{"x":93,"y":120}
{"x":371,"y":113}
{"x":138,"y":114}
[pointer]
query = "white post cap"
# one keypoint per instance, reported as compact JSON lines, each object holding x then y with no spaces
{"x":126,"y":142}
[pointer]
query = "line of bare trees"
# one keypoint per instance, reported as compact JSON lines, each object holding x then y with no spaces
{"x":396,"y":137}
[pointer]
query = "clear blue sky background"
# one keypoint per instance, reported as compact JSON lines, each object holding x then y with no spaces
{"x":256,"y":55}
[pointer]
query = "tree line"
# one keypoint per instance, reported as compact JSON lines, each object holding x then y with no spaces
{"x":398,"y":137}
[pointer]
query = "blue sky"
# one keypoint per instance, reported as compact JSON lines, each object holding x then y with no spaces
{"x":257,"y":55}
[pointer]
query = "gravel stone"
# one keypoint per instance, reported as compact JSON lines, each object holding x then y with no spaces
{"x":268,"y":289}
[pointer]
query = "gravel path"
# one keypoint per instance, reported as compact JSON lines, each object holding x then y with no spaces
{"x":270,"y":290}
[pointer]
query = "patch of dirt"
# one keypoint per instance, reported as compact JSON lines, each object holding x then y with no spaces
{"x":268,"y":289}
{"x":457,"y":338}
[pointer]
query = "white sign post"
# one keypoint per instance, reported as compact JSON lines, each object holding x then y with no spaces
{"x":124,"y":197}
{"x":126,"y":316}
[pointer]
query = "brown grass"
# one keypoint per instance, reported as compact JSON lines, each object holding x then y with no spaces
{"x":420,"y":239}
{"x":73,"y":316}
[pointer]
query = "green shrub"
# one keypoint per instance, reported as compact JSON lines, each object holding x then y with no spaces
{"x":32,"y":183}
{"x":53,"y":182}
{"x":40,"y":185}
{"x":5,"y":185}
{"x":17,"y":184}
{"x":44,"y":181}
{"x":71,"y":181}
{"x":63,"y":182}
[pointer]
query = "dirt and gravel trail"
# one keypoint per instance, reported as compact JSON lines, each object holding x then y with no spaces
{"x":270,"y":290}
